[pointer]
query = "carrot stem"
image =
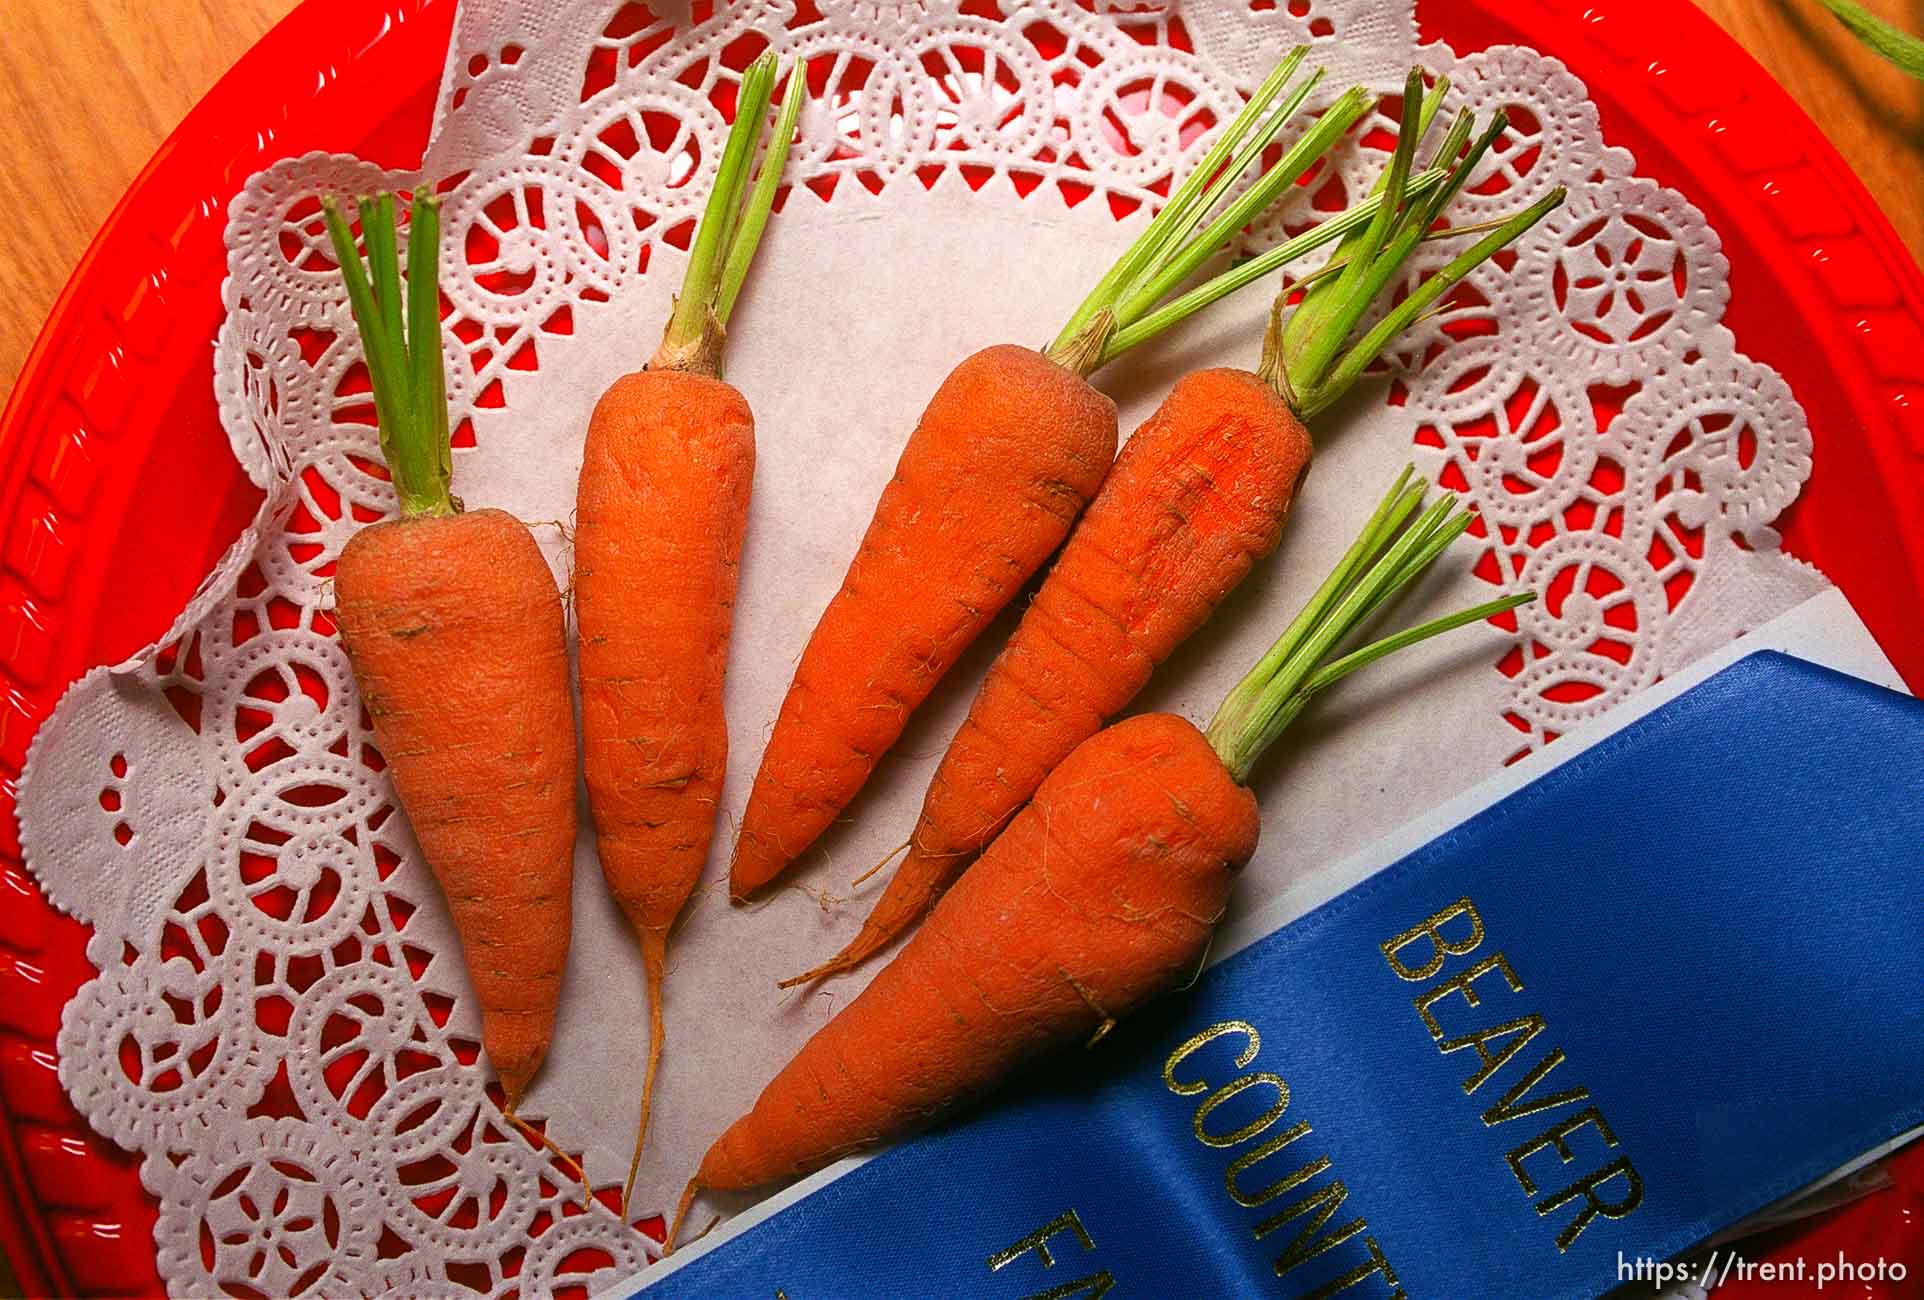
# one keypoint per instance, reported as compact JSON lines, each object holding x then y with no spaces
{"x":383,"y":264}
{"x":1268,"y":187}
{"x":1178,"y":233}
{"x":1386,"y":556}
{"x":1461,"y":168}
{"x":1151,"y":242}
{"x":1338,"y":262}
{"x":410,"y":403}
{"x":693,"y":339}
{"x":1375,"y":650}
{"x":377,"y":345}
{"x":1309,"y":360}
{"x":1340,"y":302}
{"x":1349,"y":608}
{"x":427,"y":375}
{"x":1121,"y":311}
{"x":1315,"y":308}
{"x":1357,"y":359}
{"x":761,"y":200}
{"x":1256,"y":268}
{"x":1175,"y":238}
{"x":1389,"y":516}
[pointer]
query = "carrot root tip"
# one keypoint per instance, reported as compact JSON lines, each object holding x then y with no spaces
{"x":866,"y":875}
{"x":681,"y":1213}
{"x":547,"y":1143}
{"x":1106,"y":1021}
{"x":833,"y":966}
{"x":654,"y":946}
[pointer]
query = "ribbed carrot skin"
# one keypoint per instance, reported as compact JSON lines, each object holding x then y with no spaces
{"x":1200,"y":493}
{"x":1010,"y":449}
{"x":660,"y":513}
{"x":1100,"y":894}
{"x":455,"y":630}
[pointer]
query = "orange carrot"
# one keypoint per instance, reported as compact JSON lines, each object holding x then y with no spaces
{"x":1200,"y":493}
{"x":661,"y":509}
{"x":455,"y":630}
{"x":1012,"y":447}
{"x":1100,"y":894}
{"x":453,"y":624}
{"x":1003,"y":460}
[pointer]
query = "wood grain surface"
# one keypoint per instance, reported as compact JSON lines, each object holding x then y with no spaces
{"x":1873,"y":113}
{"x":92,"y":87}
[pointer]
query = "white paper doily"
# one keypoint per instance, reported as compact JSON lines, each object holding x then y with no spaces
{"x":214,"y":807}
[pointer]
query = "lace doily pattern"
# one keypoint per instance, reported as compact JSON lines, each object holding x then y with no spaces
{"x":277,"y":1028}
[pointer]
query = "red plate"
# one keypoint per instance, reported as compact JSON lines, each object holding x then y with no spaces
{"x":118,"y":396}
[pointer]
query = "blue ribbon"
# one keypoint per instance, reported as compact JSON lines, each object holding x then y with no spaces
{"x":1665,"y":984}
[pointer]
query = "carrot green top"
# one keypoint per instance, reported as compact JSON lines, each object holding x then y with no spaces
{"x":731,"y":225}
{"x":401,"y":328}
{"x":1384,"y":559}
{"x":1310,"y":360}
{"x":1121,"y":311}
{"x":401,"y":343}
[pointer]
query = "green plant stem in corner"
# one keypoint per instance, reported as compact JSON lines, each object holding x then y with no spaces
{"x":1123,"y":310}
{"x":1890,"y":43}
{"x":731,"y":222}
{"x":401,"y":342}
{"x":1401,"y":540}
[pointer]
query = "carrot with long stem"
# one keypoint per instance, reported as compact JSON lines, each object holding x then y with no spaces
{"x":1008,"y":452}
{"x":1200,"y":493}
{"x":1102,"y":893}
{"x":660,"y":513}
{"x":453,"y":623}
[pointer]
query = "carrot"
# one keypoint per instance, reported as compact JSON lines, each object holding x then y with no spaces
{"x":1015,"y":960}
{"x":1099,"y":895}
{"x":453,"y":624}
{"x":1013,"y":445}
{"x":1200,"y":493}
{"x":1002,"y":461}
{"x":660,"y":511}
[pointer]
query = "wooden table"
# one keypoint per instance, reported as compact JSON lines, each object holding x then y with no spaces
{"x":92,"y":86}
